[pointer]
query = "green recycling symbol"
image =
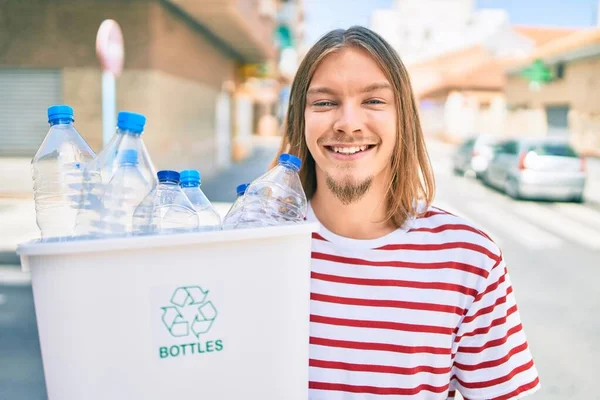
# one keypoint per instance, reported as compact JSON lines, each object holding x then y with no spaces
{"x":189,"y":312}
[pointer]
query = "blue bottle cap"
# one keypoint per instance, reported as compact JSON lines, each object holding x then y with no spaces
{"x":190,"y":176}
{"x":129,"y":157}
{"x":60,"y":111}
{"x":168,"y":176}
{"x":241,"y":189}
{"x":130,"y":121}
{"x":290,"y":160}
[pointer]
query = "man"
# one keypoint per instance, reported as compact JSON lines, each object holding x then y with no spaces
{"x":408,"y":301}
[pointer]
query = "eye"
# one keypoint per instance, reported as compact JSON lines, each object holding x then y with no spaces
{"x":323,"y":103}
{"x":374,"y":101}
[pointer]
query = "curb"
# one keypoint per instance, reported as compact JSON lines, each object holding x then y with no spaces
{"x":592,"y":203}
{"x":9,"y":257}
{"x":11,"y":275}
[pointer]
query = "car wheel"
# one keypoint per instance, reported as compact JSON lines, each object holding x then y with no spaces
{"x":485,"y":179}
{"x":511,"y":188}
{"x":470,"y":174}
{"x":578,"y":199}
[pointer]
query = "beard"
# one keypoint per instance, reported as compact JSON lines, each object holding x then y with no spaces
{"x":349,"y":191}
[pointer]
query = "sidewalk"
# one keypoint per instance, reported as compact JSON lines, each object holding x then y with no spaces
{"x":17,"y":219}
{"x":17,"y":215}
{"x":221,"y":187}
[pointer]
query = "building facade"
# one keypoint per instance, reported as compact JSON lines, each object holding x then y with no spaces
{"x":554,"y":92}
{"x":182,"y":60}
{"x":456,"y":56}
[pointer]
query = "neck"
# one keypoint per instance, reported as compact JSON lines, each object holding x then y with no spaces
{"x":362,"y":219}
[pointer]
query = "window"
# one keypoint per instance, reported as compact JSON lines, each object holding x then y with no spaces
{"x":557,"y":116}
{"x":510,"y":147}
{"x":559,"y":71}
{"x":26,"y":93}
{"x":554,"y":149}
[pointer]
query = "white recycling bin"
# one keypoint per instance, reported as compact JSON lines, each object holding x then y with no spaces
{"x":212,"y":315}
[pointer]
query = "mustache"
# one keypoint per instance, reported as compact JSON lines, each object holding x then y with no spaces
{"x":347,"y":139}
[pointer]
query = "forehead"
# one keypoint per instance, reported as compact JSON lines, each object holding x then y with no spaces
{"x":348,"y":67}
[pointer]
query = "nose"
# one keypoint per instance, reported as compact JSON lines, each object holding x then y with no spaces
{"x":348,"y":119}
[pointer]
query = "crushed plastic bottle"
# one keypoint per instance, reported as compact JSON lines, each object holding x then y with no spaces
{"x":233,"y":214}
{"x":275,"y":198}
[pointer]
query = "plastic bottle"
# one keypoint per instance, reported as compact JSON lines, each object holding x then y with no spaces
{"x":90,"y":220}
{"x":276,"y":197}
{"x":208,"y":216}
{"x":233,"y":214}
{"x":107,"y":161}
{"x":166,"y":209}
{"x":57,"y":170}
{"x":125,"y":191}
{"x":130,"y":127}
{"x":95,"y":205}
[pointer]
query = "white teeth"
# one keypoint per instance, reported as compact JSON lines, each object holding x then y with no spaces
{"x":349,"y":150}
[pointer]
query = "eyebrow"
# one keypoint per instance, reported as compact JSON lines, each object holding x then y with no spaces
{"x":321,"y":89}
{"x":371,"y":88}
{"x":376,"y":86}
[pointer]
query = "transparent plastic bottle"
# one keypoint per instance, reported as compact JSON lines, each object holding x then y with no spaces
{"x":96,"y":204}
{"x":106,"y":162}
{"x":166,"y":209}
{"x":125,"y":191}
{"x":208,"y":216}
{"x":130,"y":127}
{"x":57,"y":170}
{"x":275,"y":198}
{"x":90,"y":221}
{"x":233,"y":214}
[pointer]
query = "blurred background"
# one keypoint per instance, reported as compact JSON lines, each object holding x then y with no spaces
{"x":509,"y":98}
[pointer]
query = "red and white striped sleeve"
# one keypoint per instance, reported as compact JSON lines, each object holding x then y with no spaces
{"x":492,"y":357}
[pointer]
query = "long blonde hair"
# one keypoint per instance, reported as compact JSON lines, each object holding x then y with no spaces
{"x":412,"y":176}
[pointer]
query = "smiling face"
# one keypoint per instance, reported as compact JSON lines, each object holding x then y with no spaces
{"x":350,"y":123}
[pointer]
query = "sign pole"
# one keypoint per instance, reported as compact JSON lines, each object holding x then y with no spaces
{"x":109,"y":106}
{"x":111,"y":54}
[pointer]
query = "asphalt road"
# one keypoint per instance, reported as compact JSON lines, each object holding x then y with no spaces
{"x":553,"y":255}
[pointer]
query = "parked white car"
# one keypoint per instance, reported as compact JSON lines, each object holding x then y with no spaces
{"x":543,"y":169}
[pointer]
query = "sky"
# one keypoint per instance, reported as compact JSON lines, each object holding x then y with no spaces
{"x":325,"y":15}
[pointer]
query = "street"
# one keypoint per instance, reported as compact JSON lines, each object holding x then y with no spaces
{"x":553,"y":255}
{"x":552,"y":251}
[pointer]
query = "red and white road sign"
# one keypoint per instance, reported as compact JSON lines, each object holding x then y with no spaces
{"x":109,"y":47}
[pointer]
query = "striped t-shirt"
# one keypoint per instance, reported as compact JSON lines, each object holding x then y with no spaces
{"x":419,"y":313}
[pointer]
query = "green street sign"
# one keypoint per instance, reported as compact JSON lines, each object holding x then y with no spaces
{"x":538,"y":72}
